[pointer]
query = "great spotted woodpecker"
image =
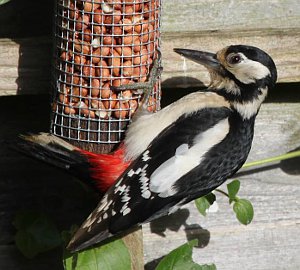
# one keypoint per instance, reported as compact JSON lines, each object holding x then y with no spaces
{"x":188,"y":148}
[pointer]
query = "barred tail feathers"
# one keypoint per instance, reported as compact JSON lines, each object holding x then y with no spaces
{"x":98,"y":170}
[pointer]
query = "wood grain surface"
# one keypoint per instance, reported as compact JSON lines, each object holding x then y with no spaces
{"x":272,"y":240}
{"x":26,"y":52}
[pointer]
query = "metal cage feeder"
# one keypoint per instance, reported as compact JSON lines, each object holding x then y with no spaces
{"x":99,"y":44}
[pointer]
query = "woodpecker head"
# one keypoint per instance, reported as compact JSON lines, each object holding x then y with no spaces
{"x":242,"y":74}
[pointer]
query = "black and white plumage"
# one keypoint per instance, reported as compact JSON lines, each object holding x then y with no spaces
{"x":187,"y":149}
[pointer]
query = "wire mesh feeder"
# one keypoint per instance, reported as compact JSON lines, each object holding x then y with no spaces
{"x":100,"y":44}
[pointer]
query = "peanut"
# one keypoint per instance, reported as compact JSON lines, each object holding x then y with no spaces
{"x":111,"y":102}
{"x":139,"y":71}
{"x":82,"y":22}
{"x":102,"y":71}
{"x":79,"y":59}
{"x":113,"y":18}
{"x":84,"y":110}
{"x":141,"y":58}
{"x":129,"y":10}
{"x":137,"y":45}
{"x":73,"y":13}
{"x":88,"y":69}
{"x":105,"y":91}
{"x":95,"y":91}
{"x":127,"y":25}
{"x":108,"y":40}
{"x":121,"y":110}
{"x":63,"y":98}
{"x":83,"y":47}
{"x":127,"y":68}
{"x":116,"y":30}
{"x":115,"y":62}
{"x":111,"y":38}
{"x":99,"y":109}
{"x":99,"y":53}
{"x":124,"y":51}
{"x":87,"y":36}
{"x":69,"y":110}
{"x":99,"y":29}
{"x":129,"y":39}
{"x":98,"y":15}
{"x":119,"y":82}
{"x":75,"y":93}
{"x":88,"y":6}
{"x":116,"y":4}
{"x":76,"y":79}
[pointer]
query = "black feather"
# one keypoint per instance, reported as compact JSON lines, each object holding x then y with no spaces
{"x":57,"y":155}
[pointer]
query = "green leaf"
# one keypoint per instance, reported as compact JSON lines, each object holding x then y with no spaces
{"x":36,"y":233}
{"x":113,"y":255}
{"x":203,"y":203}
{"x":181,"y":259}
{"x":244,"y":211}
{"x":233,"y":189}
{"x":3,"y":2}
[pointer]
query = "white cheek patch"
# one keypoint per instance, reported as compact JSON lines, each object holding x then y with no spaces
{"x":248,"y":71}
{"x":186,"y":159}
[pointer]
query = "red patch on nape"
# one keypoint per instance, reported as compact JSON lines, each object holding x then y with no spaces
{"x":105,"y":169}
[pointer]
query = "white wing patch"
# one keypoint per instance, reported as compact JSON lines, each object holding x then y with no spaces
{"x":185,"y":159}
{"x":144,"y":129}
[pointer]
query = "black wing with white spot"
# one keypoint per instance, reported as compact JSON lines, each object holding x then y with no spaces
{"x":146,"y":189}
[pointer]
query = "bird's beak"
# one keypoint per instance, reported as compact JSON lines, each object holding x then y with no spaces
{"x":207,"y":59}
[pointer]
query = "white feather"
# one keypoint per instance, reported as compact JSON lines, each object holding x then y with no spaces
{"x":145,"y":128}
{"x":45,"y":138}
{"x":249,"y":109}
{"x":185,"y":159}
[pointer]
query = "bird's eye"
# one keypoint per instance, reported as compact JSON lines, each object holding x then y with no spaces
{"x":234,"y":59}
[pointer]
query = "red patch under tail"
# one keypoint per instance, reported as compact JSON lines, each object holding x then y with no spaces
{"x":106,"y":168}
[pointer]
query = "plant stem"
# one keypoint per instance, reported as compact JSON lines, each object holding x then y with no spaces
{"x":222,"y":192}
{"x":272,"y":159}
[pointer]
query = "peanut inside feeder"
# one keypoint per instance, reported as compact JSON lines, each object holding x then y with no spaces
{"x":100,"y":44}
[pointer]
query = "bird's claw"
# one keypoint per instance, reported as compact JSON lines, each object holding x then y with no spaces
{"x":144,"y":88}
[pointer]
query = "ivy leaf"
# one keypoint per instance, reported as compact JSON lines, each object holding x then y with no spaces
{"x":233,"y":189}
{"x":203,"y":203}
{"x":244,"y":211}
{"x":113,"y":255}
{"x":36,"y":233}
{"x":181,"y":259}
